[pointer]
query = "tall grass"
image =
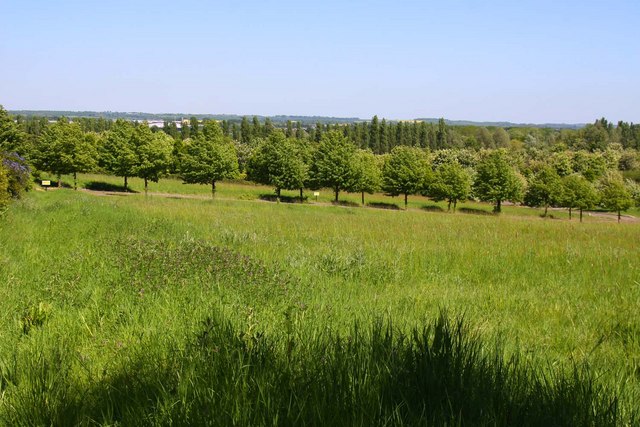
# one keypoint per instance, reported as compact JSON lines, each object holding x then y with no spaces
{"x":439,"y":374}
{"x":142,"y":310}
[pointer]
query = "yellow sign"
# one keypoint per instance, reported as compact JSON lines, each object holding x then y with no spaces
{"x":46,"y":183}
{"x":316,"y":193}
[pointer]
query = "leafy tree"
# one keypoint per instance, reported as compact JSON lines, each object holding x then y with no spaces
{"x":451,"y":182}
{"x":578,"y":193}
{"x":366,"y":173}
{"x":484,"y":137}
{"x":496,"y":180}
{"x":12,"y":138}
{"x":545,"y":189}
{"x":614,"y":195}
{"x":64,"y":149}
{"x":501,"y":138}
{"x":591,"y":165}
{"x":278,"y":161}
{"x":209,"y":159}
{"x":194,"y":125}
{"x":118,"y":154}
{"x":634,"y":190}
{"x":332,"y":162}
{"x":406,"y":171}
{"x":153,"y":153}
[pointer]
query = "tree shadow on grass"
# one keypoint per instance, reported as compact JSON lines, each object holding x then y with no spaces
{"x":383,"y":205}
{"x":283,"y":199}
{"x":105,"y":186}
{"x":475,"y":211}
{"x":432,"y":208}
{"x":345,"y":203}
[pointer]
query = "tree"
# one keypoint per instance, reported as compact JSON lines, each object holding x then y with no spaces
{"x":451,"y":182}
{"x":578,"y":193}
{"x":496,"y":180}
{"x":406,"y":171}
{"x":332,"y":162}
{"x":154,"y":153}
{"x":441,"y":134}
{"x":12,"y":138}
{"x":118,"y":154}
{"x":193,"y":124}
{"x":208,"y":160}
{"x":545,"y":189}
{"x":279,"y":162}
{"x":374,"y":135}
{"x":245,"y":130}
{"x":614,"y":195}
{"x":64,"y":149}
{"x":366,"y":173}
{"x":501,"y":138}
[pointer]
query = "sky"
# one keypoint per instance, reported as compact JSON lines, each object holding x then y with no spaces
{"x":521,"y":61}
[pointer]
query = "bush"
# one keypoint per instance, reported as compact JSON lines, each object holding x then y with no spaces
{"x":18,"y":174}
{"x":4,"y":187}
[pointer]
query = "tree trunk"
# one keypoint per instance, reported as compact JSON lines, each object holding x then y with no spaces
{"x":455,"y":203}
{"x":125,"y":184}
{"x":337,"y":191}
{"x":569,"y":214}
{"x":580,"y":215}
{"x":59,"y":180}
{"x":546,"y":207}
{"x":213,"y":188}
{"x":498,"y":207}
{"x":618,"y":216}
{"x":278,"y":195}
{"x":406,"y":197}
{"x":75,"y":181}
{"x":146,"y":187}
{"x":449,"y":206}
{"x":301,"y":195}
{"x":362,"y":198}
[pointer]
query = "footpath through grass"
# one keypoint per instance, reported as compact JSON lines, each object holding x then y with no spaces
{"x":156,"y":310}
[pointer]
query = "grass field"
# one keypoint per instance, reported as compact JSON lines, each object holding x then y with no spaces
{"x":130,"y":308}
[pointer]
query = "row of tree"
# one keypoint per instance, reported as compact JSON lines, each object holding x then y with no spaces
{"x":572,"y":179}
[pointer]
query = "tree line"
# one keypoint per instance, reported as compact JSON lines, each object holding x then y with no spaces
{"x":358,"y":158}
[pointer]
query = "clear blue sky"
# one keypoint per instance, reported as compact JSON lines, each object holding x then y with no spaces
{"x":524,"y":61}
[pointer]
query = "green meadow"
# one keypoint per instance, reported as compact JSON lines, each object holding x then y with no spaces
{"x":131,"y":309}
